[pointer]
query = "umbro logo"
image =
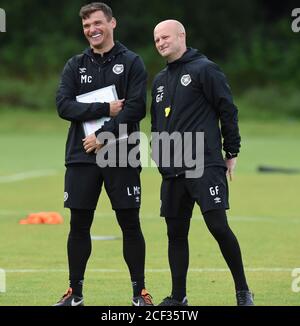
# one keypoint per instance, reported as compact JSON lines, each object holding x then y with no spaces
{"x":160,"y":94}
{"x":160,"y":89}
{"x":217,"y":200}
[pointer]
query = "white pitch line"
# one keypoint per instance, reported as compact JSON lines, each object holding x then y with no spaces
{"x":26,"y":175}
{"x":153,"y":270}
{"x":262,"y":219}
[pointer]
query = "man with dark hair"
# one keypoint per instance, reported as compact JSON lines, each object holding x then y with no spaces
{"x":103,"y":64}
{"x":191,"y":95}
{"x":90,"y":8}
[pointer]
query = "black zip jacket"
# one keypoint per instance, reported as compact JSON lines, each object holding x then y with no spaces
{"x":87,"y":72}
{"x":200,"y":99}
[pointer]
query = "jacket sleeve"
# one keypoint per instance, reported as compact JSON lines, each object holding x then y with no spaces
{"x":218,"y":93}
{"x":134,"y":108}
{"x":67,"y":106}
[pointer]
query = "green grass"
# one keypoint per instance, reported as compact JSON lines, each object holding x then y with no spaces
{"x":265,"y":216}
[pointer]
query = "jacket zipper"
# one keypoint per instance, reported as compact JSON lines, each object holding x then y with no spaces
{"x":171,"y":102}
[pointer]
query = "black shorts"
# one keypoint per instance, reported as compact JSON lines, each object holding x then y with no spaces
{"x":83,"y":184}
{"x":178,"y":195}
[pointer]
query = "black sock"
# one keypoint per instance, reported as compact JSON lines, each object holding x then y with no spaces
{"x":137,"y":287}
{"x":76,"y":287}
{"x":217,"y":224}
{"x":178,"y":252}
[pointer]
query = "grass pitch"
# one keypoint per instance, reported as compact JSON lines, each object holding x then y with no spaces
{"x":265,"y":217}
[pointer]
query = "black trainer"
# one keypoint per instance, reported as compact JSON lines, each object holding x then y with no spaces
{"x":244,"y":298}
{"x":169,"y":301}
{"x":69,"y":299}
{"x":145,"y":299}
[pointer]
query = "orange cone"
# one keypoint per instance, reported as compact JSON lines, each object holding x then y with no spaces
{"x":42,"y":218}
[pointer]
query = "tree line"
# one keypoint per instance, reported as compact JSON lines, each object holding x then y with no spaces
{"x":251,"y":40}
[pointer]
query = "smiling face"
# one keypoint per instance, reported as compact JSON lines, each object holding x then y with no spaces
{"x":169,"y":38}
{"x":98,"y":30}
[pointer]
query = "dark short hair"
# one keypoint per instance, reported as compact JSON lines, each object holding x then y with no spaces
{"x":87,"y":10}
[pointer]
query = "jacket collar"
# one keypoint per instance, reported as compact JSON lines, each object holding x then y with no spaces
{"x":117,"y":49}
{"x":189,"y":55}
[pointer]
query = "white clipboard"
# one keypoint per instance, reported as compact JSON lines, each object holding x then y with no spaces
{"x":106,"y":94}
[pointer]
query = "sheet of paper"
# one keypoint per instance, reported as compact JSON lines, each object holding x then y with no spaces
{"x":105,"y":94}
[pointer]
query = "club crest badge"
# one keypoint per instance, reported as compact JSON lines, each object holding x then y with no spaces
{"x":66,"y":196}
{"x":118,"y":69}
{"x":185,"y":80}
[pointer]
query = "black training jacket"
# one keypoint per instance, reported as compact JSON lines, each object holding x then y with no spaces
{"x":87,"y":72}
{"x":200,"y":99}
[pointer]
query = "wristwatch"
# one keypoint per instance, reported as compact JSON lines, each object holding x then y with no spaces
{"x":230,"y":155}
